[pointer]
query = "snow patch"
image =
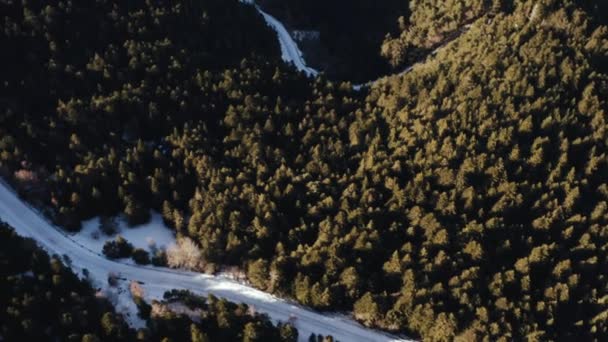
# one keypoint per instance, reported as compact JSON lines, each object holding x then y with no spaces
{"x":289,"y":49}
{"x":26,"y":274}
{"x":122,"y":300}
{"x":27,"y":221}
{"x":149,"y":236}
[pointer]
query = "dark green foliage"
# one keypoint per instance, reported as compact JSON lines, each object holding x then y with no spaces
{"x":220,"y":320}
{"x":431,"y":24}
{"x":500,"y":143}
{"x":257,"y":273}
{"x":464,"y":200}
{"x":108,"y":225}
{"x":350,"y":33}
{"x":141,"y":256}
{"x":367,"y":309}
{"x":144,"y":309}
{"x":41,"y":299}
{"x":118,"y":248}
{"x":288,"y":333}
{"x":320,"y":338}
{"x":68,"y":85}
{"x":159,"y":258}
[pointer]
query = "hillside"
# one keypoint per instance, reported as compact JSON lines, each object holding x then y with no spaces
{"x":495,"y":152}
{"x":42,"y":299}
{"x":350,"y":33}
{"x":464,"y":200}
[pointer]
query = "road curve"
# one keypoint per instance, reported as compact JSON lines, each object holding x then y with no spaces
{"x":292,"y":54}
{"x":28,"y":222}
{"x":289,"y":49}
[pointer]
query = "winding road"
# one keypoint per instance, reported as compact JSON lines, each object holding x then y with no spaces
{"x":289,"y":49}
{"x":290,"y":52}
{"x":156,"y":280}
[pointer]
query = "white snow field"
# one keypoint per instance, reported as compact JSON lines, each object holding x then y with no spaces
{"x":289,"y":49}
{"x":156,"y":280}
{"x":149,"y":236}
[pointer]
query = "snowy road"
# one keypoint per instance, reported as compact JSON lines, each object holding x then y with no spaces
{"x":28,"y":222}
{"x":292,"y":54}
{"x":289,"y":49}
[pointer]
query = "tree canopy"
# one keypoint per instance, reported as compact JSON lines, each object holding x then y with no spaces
{"x":464,"y":200}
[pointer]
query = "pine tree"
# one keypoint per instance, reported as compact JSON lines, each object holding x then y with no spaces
{"x":196,"y":335}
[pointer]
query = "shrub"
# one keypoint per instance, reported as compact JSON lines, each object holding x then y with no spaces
{"x":108,"y":225}
{"x":141,"y":257}
{"x":184,"y":254}
{"x":118,"y":248}
{"x":159,"y":259}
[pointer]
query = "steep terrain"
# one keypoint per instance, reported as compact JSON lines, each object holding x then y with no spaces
{"x":350,"y":33}
{"x":42,"y":299}
{"x":463,"y":200}
{"x":155,"y":281}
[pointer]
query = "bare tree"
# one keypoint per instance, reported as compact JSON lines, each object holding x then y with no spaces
{"x":184,"y":254}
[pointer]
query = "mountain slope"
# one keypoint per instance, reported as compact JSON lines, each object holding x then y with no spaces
{"x":496,"y":153}
{"x":464,"y":200}
{"x":156,"y":281}
{"x":42,"y":299}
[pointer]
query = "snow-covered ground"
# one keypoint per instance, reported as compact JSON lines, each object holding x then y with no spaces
{"x":289,"y":49}
{"x":291,"y":52}
{"x":149,"y":236}
{"x":156,"y":280}
{"x":83,"y":251}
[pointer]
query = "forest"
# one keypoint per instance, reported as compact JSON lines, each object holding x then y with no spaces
{"x":41,"y":300}
{"x":465,"y":200}
{"x":350,"y":32}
